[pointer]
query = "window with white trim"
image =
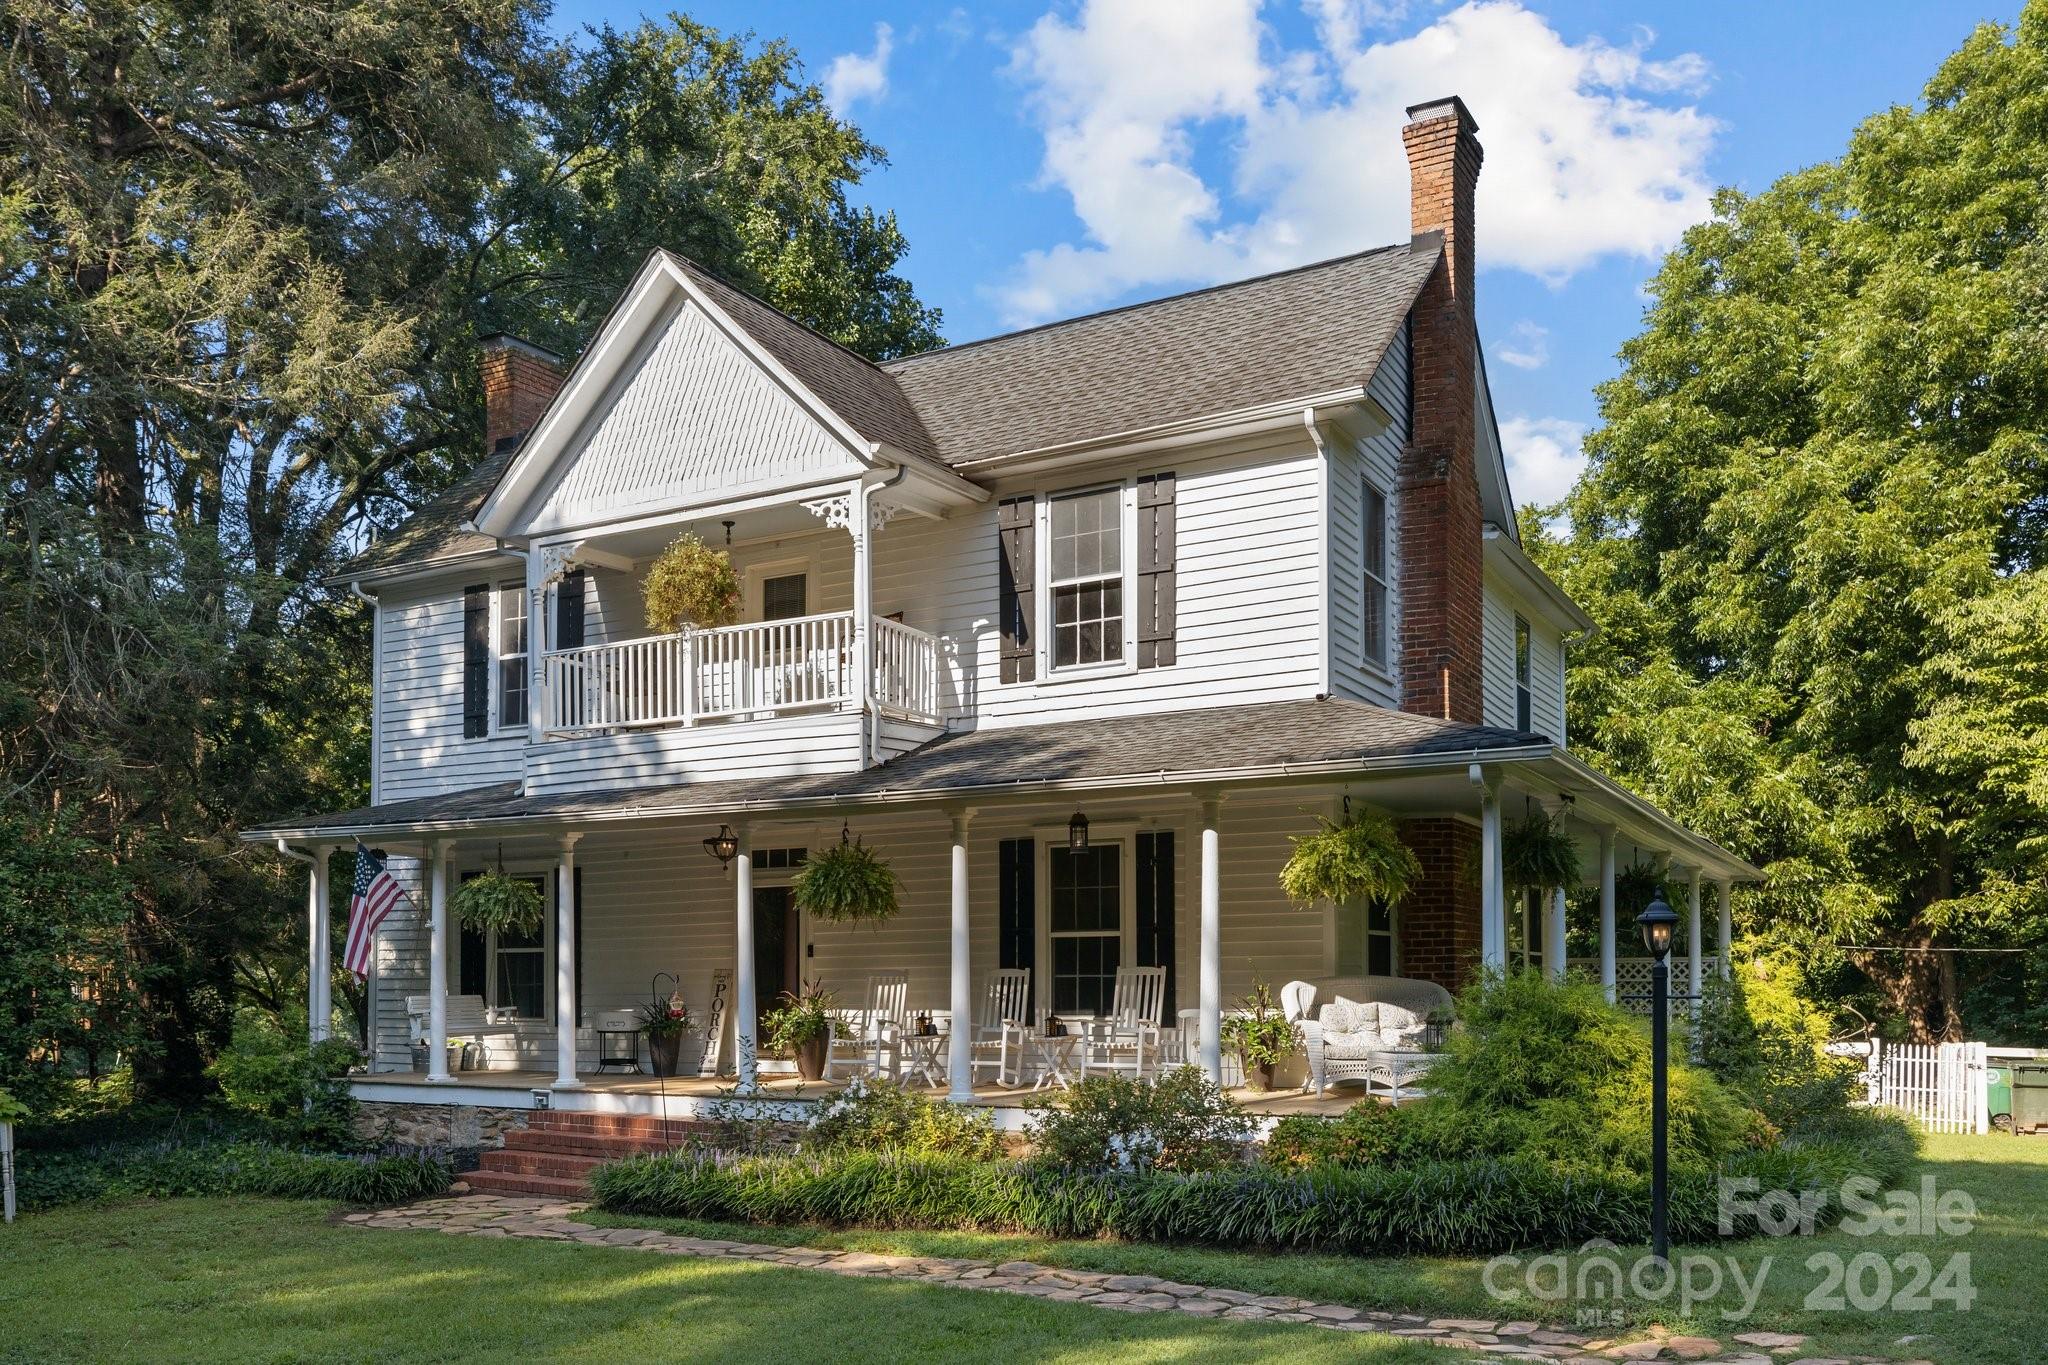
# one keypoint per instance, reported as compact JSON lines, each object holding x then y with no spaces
{"x":1373,"y":626}
{"x":1085,"y":926}
{"x":510,"y":970}
{"x":783,"y":597}
{"x":1365,"y":940}
{"x":1086,"y":578}
{"x":511,"y":651}
{"x":1522,"y":695}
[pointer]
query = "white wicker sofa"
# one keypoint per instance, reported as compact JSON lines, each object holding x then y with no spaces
{"x":1350,"y":1044}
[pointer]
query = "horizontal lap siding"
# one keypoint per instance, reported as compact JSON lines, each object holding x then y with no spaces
{"x":786,"y":745}
{"x":401,"y":969}
{"x":1546,"y":692}
{"x":420,"y":690}
{"x":1377,"y":458}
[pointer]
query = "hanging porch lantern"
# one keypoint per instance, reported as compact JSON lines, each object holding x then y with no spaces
{"x":724,"y":845}
{"x":1077,"y":832}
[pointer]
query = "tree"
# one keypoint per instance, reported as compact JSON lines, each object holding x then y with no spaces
{"x":1817,"y":491}
{"x":248,"y":250}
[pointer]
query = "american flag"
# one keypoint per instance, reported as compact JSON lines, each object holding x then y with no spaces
{"x":376,"y":892}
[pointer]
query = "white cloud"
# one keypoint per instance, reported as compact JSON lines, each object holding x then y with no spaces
{"x":1526,"y":346}
{"x":1590,"y":149}
{"x":1543,"y":457}
{"x":853,"y":77}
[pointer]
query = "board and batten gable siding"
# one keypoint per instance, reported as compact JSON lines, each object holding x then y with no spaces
{"x":419,"y":681}
{"x":1249,"y":591}
{"x":1352,"y":463}
{"x":690,"y":417}
{"x":1546,"y":668}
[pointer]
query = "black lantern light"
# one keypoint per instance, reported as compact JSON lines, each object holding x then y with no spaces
{"x":1657,"y":923}
{"x":724,"y":845}
{"x":1077,"y":832}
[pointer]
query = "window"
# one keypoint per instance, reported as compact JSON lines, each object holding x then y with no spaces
{"x":511,"y":654}
{"x":1086,"y":927}
{"x":782,"y":597}
{"x":510,"y":971}
{"x":1373,"y":629}
{"x":778,"y":859}
{"x":1521,"y":674}
{"x":1087,"y":578}
{"x":1365,"y":940}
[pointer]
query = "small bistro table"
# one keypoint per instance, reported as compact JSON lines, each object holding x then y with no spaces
{"x":924,"y":1057}
{"x":1054,"y":1055}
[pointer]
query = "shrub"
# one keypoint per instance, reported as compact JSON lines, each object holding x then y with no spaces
{"x":1757,"y":1034}
{"x":1181,"y":1122}
{"x":1367,"y":1134}
{"x":299,"y":1093}
{"x":173,"y":1167}
{"x":877,"y":1116}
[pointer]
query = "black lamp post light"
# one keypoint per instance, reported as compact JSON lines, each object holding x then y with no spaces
{"x":1657,"y":924}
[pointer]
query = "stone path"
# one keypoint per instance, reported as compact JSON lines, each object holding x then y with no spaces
{"x":483,"y":1215}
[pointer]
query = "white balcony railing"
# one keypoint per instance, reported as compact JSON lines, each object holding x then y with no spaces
{"x":762,"y":669}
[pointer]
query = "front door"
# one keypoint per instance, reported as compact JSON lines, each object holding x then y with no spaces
{"x":775,"y":951}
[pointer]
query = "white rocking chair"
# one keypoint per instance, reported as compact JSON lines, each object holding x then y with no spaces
{"x":1129,"y":1039}
{"x":871,"y":1039}
{"x":995,"y":1038}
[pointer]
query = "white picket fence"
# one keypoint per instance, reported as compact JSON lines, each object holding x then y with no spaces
{"x":1944,"y":1085}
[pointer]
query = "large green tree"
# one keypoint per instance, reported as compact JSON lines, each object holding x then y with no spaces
{"x":1812,"y":529}
{"x":247,"y":248}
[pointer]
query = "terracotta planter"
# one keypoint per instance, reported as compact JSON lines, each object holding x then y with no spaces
{"x":810,"y":1057}
{"x":664,"y":1051}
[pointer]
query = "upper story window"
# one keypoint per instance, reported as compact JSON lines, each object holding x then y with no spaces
{"x":783,"y":597}
{"x":1373,"y":629}
{"x":1522,"y":708}
{"x":1086,"y":578}
{"x":511,"y":651}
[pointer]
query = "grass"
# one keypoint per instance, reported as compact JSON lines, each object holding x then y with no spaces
{"x":252,"y":1279}
{"x":2008,"y":1250}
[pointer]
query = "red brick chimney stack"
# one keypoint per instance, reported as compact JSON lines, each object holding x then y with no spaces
{"x":520,"y":380}
{"x":1442,"y":549}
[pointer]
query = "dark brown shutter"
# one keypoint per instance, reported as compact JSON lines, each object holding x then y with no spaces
{"x":1016,"y":904}
{"x":569,"y":595}
{"x":1017,"y":540}
{"x":476,"y":661}
{"x":1156,"y":605}
{"x":1155,"y":912}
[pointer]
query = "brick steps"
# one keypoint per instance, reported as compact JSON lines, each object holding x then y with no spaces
{"x":556,"y":1151}
{"x":512,"y":1182}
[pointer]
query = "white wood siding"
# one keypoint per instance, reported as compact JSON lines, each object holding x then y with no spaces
{"x":1378,"y":459}
{"x":423,"y":751}
{"x":824,"y":742}
{"x":400,"y":969}
{"x":690,"y":415}
{"x":1546,"y":679}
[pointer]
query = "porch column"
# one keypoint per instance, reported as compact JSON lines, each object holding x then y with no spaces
{"x":319,"y":969}
{"x":743,"y":963}
{"x":438,"y":855}
{"x":1211,"y":974}
{"x":1607,"y":913}
{"x":565,"y":967}
{"x":960,"y":1051}
{"x":1693,"y":941}
{"x":1493,"y":911}
{"x":1553,"y":937}
{"x":863,"y":616}
{"x":1722,"y":889}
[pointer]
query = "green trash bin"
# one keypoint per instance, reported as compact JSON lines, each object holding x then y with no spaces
{"x":2029,"y":1097}
{"x":1998,"y":1095}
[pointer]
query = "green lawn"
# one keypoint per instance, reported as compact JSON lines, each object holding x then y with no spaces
{"x":2008,"y":1247}
{"x":247,"y":1279}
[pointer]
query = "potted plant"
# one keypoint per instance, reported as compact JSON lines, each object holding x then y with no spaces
{"x":802,"y":1028}
{"x":691,"y":584}
{"x":1361,"y":859}
{"x":845,"y":884}
{"x":495,"y":901}
{"x":665,"y":1023}
{"x":1537,"y":854}
{"x":1262,"y":1036}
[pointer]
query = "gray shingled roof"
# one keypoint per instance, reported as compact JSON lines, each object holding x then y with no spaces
{"x":1183,"y":745}
{"x":1296,"y":334}
{"x":434,"y":532}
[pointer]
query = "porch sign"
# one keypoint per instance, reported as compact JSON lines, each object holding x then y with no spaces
{"x":714,"y":1022}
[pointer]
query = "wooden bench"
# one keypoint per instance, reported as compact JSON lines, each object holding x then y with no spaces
{"x":469,"y":1021}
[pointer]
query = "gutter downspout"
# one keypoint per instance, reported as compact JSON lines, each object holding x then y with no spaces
{"x":870,"y":714}
{"x":1326,"y":670}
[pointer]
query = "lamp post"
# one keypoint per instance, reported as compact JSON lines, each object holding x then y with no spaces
{"x":1657,"y":923}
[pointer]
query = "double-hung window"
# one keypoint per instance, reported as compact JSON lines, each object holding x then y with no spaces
{"x":1365,"y":940}
{"x":1522,"y":707}
{"x":511,"y":655}
{"x":1087,"y":578}
{"x":1085,"y":926}
{"x":1373,"y":626}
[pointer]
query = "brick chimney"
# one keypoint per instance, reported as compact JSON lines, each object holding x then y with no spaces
{"x":1442,"y":549}
{"x":520,"y":380}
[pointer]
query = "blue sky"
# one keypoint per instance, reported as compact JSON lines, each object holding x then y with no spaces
{"x":1055,"y":157}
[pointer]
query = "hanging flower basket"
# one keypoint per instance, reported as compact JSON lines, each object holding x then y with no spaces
{"x":1362,"y":859}
{"x":1537,"y":855}
{"x":1635,"y":886}
{"x":510,"y":905}
{"x":691,"y":584}
{"x":846,"y":884}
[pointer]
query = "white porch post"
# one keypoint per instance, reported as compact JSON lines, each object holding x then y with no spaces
{"x":1607,"y":913}
{"x":565,"y":967}
{"x":319,"y":970}
{"x":863,"y":615}
{"x":1694,"y":942}
{"x":1211,"y":973}
{"x":1722,"y":889}
{"x":1493,"y":912}
{"x":1553,"y":937}
{"x":743,"y":963}
{"x":960,"y":1051}
{"x":439,"y":855}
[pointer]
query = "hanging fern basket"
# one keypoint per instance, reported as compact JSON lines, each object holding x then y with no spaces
{"x":848,"y":884}
{"x":1537,"y":854}
{"x":494,"y":901}
{"x":691,"y":584}
{"x":1360,"y":859}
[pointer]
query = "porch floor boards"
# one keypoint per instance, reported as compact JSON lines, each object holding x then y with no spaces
{"x":1274,"y":1103}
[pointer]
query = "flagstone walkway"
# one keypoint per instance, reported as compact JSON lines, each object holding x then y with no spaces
{"x":483,"y":1215}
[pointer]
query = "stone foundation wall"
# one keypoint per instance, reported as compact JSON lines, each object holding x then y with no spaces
{"x":437,"y":1125}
